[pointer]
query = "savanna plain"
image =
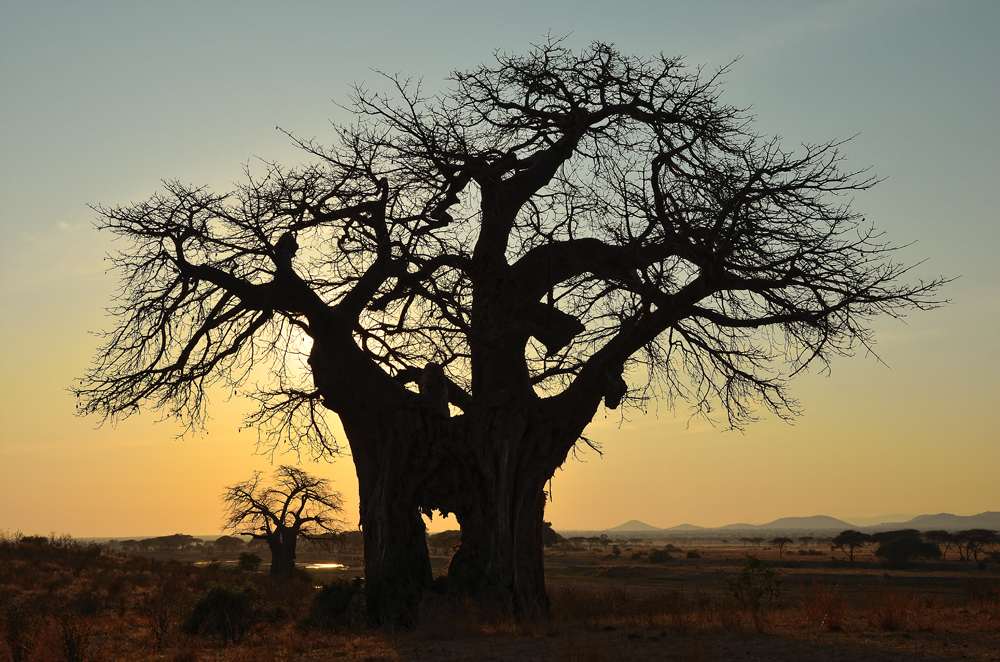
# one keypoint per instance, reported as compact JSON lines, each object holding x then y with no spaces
{"x":625,"y":599}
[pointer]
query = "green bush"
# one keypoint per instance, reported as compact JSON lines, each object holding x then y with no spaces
{"x":231,"y":612}
{"x":659,"y":556}
{"x":336,"y":602}
{"x":249,"y":562}
{"x":757,"y":581}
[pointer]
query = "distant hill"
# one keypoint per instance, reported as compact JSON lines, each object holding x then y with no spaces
{"x":685,"y":527}
{"x":634,"y":525}
{"x":949,"y":522}
{"x":814,"y":523}
{"x":946,"y":521}
{"x":860,"y":522}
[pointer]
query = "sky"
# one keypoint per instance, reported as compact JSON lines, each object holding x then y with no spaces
{"x":100,"y":101}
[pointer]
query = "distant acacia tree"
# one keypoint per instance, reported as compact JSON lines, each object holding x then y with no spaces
{"x":885,"y":536}
{"x":971,"y":542}
{"x":295,"y":505}
{"x":780,"y":543}
{"x":467,"y":278}
{"x":806,"y":540}
{"x":903,"y":550}
{"x":227,"y":544}
{"x":849,"y":541}
{"x":941,"y":537}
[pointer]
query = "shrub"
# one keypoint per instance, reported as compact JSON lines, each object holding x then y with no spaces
{"x":232,"y":612}
{"x":249,"y":562}
{"x":332,"y":606}
{"x":756,"y":582}
{"x":659,"y":556}
{"x":900,"y":552}
{"x":825,"y":606}
{"x":638,"y":555}
{"x":693,"y":554}
{"x":22,"y":622}
{"x":888,"y":610}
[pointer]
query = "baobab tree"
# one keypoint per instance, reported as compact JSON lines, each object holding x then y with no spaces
{"x":465,"y":279}
{"x":296,"y":505}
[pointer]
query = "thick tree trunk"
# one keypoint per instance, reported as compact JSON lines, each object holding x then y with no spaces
{"x":282,"y":546}
{"x":391,"y":472}
{"x":386,"y":429}
{"x":500,"y":560}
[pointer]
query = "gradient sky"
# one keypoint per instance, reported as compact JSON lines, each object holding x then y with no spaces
{"x":99,"y":101}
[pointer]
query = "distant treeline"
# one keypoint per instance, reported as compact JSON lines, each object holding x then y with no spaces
{"x":348,"y":541}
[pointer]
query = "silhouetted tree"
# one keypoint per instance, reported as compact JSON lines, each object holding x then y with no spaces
{"x":465,"y":278}
{"x":549,"y":535}
{"x":227,"y":544}
{"x":885,"y":536}
{"x":972,"y":541}
{"x":295,"y":505}
{"x":904,"y":549}
{"x":850,"y":540}
{"x":805,"y":540}
{"x":445,"y":541}
{"x":941,"y":537}
{"x":780,"y":544}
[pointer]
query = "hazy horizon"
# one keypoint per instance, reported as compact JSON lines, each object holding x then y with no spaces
{"x":451,"y":524}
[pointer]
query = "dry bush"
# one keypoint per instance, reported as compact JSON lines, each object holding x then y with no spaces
{"x":888,"y":610}
{"x":983,"y":595}
{"x":825,"y":606}
{"x":21,"y":622}
{"x":74,"y":637}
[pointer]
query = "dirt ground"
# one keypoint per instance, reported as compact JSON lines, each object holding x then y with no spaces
{"x":604,"y":607}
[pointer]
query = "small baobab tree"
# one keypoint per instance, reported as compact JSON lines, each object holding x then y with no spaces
{"x":297,"y":505}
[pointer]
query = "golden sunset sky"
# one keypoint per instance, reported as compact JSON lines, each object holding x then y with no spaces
{"x":99,"y":101}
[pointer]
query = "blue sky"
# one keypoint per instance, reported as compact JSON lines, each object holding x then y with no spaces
{"x":99,"y":101}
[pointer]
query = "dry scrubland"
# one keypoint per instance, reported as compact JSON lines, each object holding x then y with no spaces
{"x":61,"y":600}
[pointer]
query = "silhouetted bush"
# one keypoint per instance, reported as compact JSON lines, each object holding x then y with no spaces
{"x":693,"y":554}
{"x":659,"y":556}
{"x":249,"y":562}
{"x":902,"y":551}
{"x":638,"y":555}
{"x":756,"y":582}
{"x":231,"y":612}
{"x":337,"y":602}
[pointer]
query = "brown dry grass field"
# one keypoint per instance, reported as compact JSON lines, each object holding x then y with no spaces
{"x":74,"y":602}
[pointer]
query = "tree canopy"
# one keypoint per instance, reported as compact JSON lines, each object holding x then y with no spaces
{"x":296,"y":505}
